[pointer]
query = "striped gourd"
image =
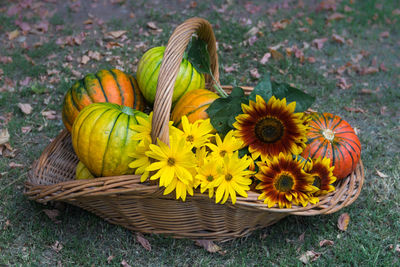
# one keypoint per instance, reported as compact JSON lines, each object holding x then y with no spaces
{"x":193,"y":104}
{"x":82,"y":173}
{"x":332,"y":137}
{"x":149,"y":67}
{"x":102,"y":138}
{"x":113,"y":86}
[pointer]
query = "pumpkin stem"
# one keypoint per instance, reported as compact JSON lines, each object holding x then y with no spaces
{"x":328,"y":134}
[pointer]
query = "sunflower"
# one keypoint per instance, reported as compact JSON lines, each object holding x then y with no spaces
{"x":270,"y":128}
{"x":141,"y":160}
{"x":197,"y":133}
{"x":209,"y":172}
{"x":323,"y":175}
{"x":226,"y":147}
{"x":235,"y":178}
{"x":174,"y":161}
{"x":283,"y":181}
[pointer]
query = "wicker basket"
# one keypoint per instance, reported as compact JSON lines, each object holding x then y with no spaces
{"x":142,"y":207}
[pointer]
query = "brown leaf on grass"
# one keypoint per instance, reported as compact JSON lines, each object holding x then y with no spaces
{"x":5,"y":59}
{"x":343,"y":221}
{"x":396,"y":12}
{"x":326,"y":5}
{"x":26,"y":129}
{"x":319,"y":43}
{"x":85,"y":59}
{"x":265,"y":58}
{"x":252,"y":8}
{"x":301,"y":237}
{"x":114,"y":34}
{"x":124,"y":263}
{"x":280,"y":25}
{"x":15,"y":165}
{"x":208,"y":245}
{"x":57,"y":246}
{"x":52,"y":214}
{"x":275,"y":54}
{"x":110,"y":258}
{"x":25,"y":108}
{"x":110,"y":45}
{"x":42,"y":26}
{"x":382,"y":67}
{"x":342,"y":83}
{"x":7,"y":224}
{"x":338,"y":39}
{"x":381,"y":174}
{"x":311,"y":60}
{"x":12,"y":35}
{"x":4,"y":136}
{"x":229,"y":69}
{"x":25,"y":81}
{"x":53,"y":72}
{"x":143,"y":241}
{"x":94,"y":55}
{"x":254,"y":73}
{"x":335,"y":16}
{"x":309,"y":256}
{"x":384,"y":34}
{"x":49,"y":114}
{"x":325,"y":242}
{"x":76,"y":73}
{"x":347,"y":8}
{"x":369,"y":70}
{"x":356,"y":110}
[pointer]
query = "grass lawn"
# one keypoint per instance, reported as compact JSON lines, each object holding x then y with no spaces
{"x":346,"y":53}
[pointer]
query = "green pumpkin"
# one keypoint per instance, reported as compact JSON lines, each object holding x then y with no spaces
{"x":102,"y":138}
{"x":147,"y":75}
{"x":82,"y":173}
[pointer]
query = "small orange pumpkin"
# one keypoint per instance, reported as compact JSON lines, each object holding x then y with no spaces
{"x":193,"y":104}
{"x":332,"y":137}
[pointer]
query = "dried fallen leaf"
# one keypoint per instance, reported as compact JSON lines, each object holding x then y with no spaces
{"x":4,"y":136}
{"x":49,"y":114}
{"x":114,"y":34}
{"x":229,"y":69}
{"x":85,"y":59}
{"x":381,"y":174}
{"x":254,"y":73}
{"x":152,"y":25}
{"x":311,"y":59}
{"x":7,"y":224}
{"x":396,"y":12}
{"x":397,"y":248}
{"x":208,"y":245}
{"x":280,"y":25}
{"x":384,"y":34}
{"x":76,"y":73}
{"x":369,"y":70}
{"x":356,"y":110}
{"x":325,"y":242}
{"x":309,"y":256}
{"x":57,"y":246}
{"x":52,"y":214}
{"x":110,"y":258}
{"x":342,"y":83}
{"x":5,"y":59}
{"x":335,"y":16}
{"x":12,"y":35}
{"x":26,"y":129}
{"x":143,"y":241}
{"x":343,"y":221}
{"x":25,"y":108}
{"x":94,"y":55}
{"x":326,"y":5}
{"x":338,"y":39}
{"x":319,"y":43}
{"x":301,"y":237}
{"x":382,"y":67}
{"x":124,"y":263}
{"x":15,"y":165}
{"x":275,"y":54}
{"x":265,"y":58}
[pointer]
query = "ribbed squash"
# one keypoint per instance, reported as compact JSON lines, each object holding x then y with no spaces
{"x":82,"y":172}
{"x":102,"y":138}
{"x":147,"y":75}
{"x":332,"y":137}
{"x":193,"y":104}
{"x":113,"y":86}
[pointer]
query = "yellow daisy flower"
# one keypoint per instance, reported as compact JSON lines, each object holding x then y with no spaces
{"x":226,"y":147}
{"x":197,"y":133}
{"x":235,"y":178}
{"x":176,"y":160}
{"x":181,"y":189}
{"x":283,"y":181}
{"x":209,"y":172}
{"x":270,"y":128}
{"x":141,"y":160}
{"x":143,"y":128}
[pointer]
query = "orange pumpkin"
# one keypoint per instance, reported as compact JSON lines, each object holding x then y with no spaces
{"x":332,"y":137}
{"x":193,"y":104}
{"x":113,"y":86}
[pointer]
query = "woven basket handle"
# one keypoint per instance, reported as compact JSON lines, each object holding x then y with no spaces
{"x":169,"y":69}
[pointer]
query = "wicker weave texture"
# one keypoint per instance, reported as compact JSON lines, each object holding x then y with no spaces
{"x":123,"y":200}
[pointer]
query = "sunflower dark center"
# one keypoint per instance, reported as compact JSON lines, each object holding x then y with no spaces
{"x":171,"y":162}
{"x":317,"y":181}
{"x":228,"y":177}
{"x":269,"y":130}
{"x":210,"y":178}
{"x":190,"y":138}
{"x":284,"y":183}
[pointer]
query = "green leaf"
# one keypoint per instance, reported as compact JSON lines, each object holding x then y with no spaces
{"x":222,"y":111}
{"x":284,"y":90}
{"x":198,"y":55}
{"x":263,"y":89}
